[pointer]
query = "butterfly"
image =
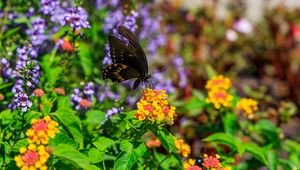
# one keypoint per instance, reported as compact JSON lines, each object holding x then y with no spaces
{"x":129,"y":59}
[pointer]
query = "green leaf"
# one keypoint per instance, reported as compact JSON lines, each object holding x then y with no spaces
{"x":272,"y":160}
{"x":230,"y":125}
{"x":62,"y":138}
{"x":63,"y":102}
{"x":166,"y":139}
{"x":86,"y":59}
{"x":130,"y":156}
{"x":95,"y":155}
{"x":210,"y":71}
{"x":19,"y":144}
{"x":95,"y":117}
{"x":221,"y":138}
{"x":71,"y":124}
{"x":102,"y":143}
{"x":270,"y":132}
{"x":256,"y":152}
{"x":11,"y":32}
{"x":70,"y":154}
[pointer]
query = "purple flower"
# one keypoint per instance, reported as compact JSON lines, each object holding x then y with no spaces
{"x":243,"y":26}
{"x":21,"y":101}
{"x":163,"y":83}
{"x":112,"y":112}
{"x":130,"y":21}
{"x":5,"y":70}
{"x":104,"y":92}
{"x":37,"y":31}
{"x":48,"y":6}
{"x":112,"y":20}
{"x":76,"y":17}
{"x":182,"y":73}
{"x":107,"y":59}
{"x":78,"y":96}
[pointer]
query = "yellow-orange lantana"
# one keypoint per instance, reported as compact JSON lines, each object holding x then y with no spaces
{"x":33,"y":157}
{"x":218,"y":82}
{"x":219,"y":97}
{"x":182,"y":148}
{"x":42,"y":130}
{"x":249,"y":106}
{"x":154,"y":106}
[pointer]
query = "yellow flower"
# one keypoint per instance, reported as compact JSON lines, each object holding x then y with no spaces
{"x":154,"y":106}
{"x":218,"y":82}
{"x":42,"y":130}
{"x":182,"y":148}
{"x":32,"y":157}
{"x":248,"y":106}
{"x":188,"y":163}
{"x":219,"y":97}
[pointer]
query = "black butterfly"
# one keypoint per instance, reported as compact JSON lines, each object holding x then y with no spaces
{"x":129,"y":60}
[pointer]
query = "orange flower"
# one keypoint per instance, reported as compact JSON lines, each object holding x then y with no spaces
{"x":85,"y":103}
{"x":1,"y":96}
{"x":190,"y":165}
{"x":211,"y":161}
{"x":59,"y":91}
{"x":219,"y":97}
{"x":42,"y":130}
{"x":153,"y":143}
{"x":38,"y":92}
{"x":66,"y":45}
{"x":154,"y":106}
{"x":33,"y":157}
{"x":218,"y":82}
{"x":248,"y":106}
{"x":182,"y":148}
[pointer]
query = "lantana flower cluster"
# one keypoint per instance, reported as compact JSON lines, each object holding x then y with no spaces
{"x":218,"y":92}
{"x":154,"y":106}
{"x":182,"y":148}
{"x":36,"y":154}
{"x":42,"y":130}
{"x":208,"y":162}
{"x":248,"y":106}
{"x":33,"y":157}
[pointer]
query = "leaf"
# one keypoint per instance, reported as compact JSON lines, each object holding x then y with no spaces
{"x":11,"y":32}
{"x":63,"y":102}
{"x":95,"y":155}
{"x":62,"y":138}
{"x":70,"y":154}
{"x":102,"y":143}
{"x":86,"y":59}
{"x":71,"y":124}
{"x":267,"y":129}
{"x":130,"y":156}
{"x":229,"y":121}
{"x":272,"y":160}
{"x":19,"y":144}
{"x":256,"y":152}
{"x":210,"y":71}
{"x":95,"y":117}
{"x":228,"y":140}
{"x":164,"y":137}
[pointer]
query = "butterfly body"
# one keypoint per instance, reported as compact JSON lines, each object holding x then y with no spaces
{"x":129,"y":59}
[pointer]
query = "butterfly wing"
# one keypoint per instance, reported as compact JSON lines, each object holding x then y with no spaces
{"x":120,"y":72}
{"x":135,"y":46}
{"x":121,"y":53}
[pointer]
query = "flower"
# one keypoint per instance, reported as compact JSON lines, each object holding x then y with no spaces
{"x":5,"y":69}
{"x":154,"y":106}
{"x":66,"y":45}
{"x":83,"y":99}
{"x":182,"y":148}
{"x":21,"y":101}
{"x":218,"y":82}
{"x":153,"y":143}
{"x":37,"y":31}
{"x":42,"y":130}
{"x":231,"y":35}
{"x":48,"y":6}
{"x":76,"y":17}
{"x":112,"y":112}
{"x":248,"y":106}
{"x":211,"y":161}
{"x":190,"y":165}
{"x":182,"y":72}
{"x":1,"y":96}
{"x":59,"y":91}
{"x":243,"y":26}
{"x":32,"y":157}
{"x":219,"y":97}
{"x":38,"y":92}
